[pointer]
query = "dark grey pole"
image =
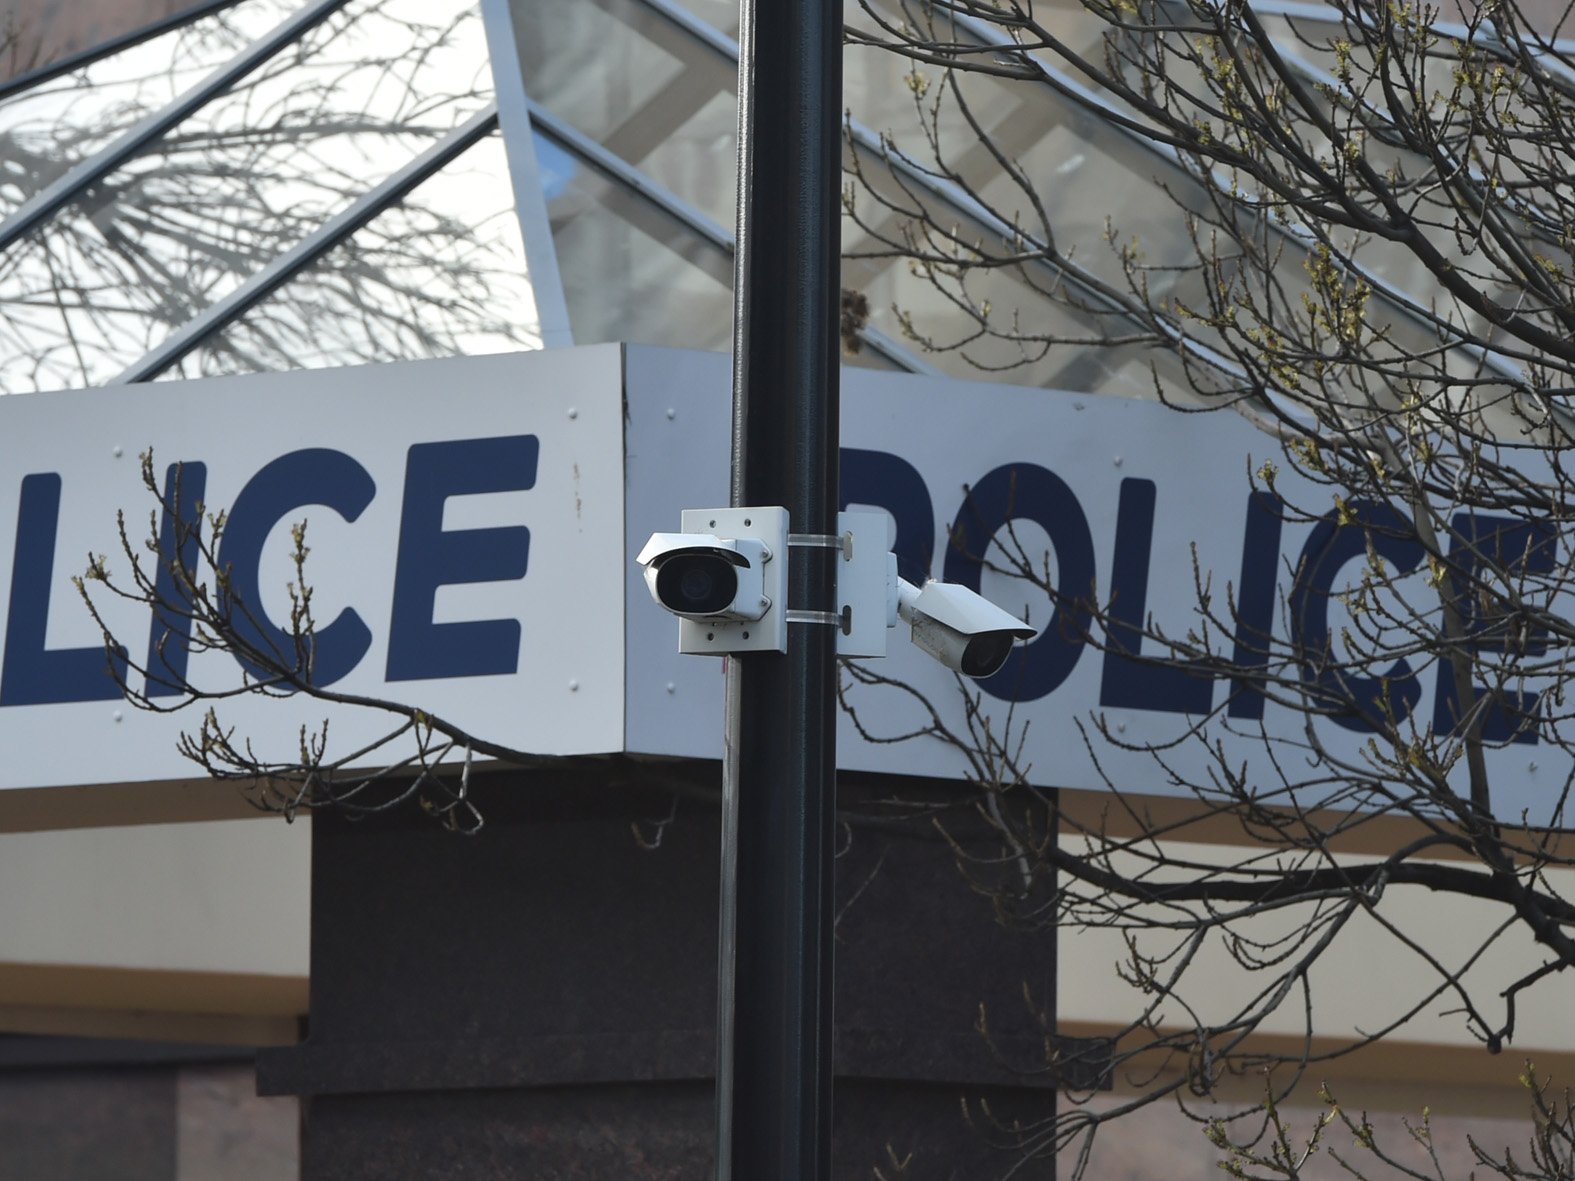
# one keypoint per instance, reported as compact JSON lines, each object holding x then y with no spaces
{"x":774,"y":1081}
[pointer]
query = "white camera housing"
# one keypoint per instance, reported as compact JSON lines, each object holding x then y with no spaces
{"x":725,"y":577}
{"x":963,"y":630}
{"x":701,"y":576}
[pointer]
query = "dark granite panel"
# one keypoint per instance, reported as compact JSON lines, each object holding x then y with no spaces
{"x":538,"y":1000}
{"x":105,"y":1125}
{"x":652,"y":1133}
{"x":557,"y":921}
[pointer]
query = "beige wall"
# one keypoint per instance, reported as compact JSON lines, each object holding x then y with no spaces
{"x":1369,"y":978}
{"x":172,"y":931}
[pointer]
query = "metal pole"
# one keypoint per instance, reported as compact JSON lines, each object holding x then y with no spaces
{"x":775,"y":1027}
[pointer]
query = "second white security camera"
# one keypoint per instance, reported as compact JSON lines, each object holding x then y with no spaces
{"x":963,"y":630}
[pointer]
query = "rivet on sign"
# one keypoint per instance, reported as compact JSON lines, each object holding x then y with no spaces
{"x":671,"y":413}
{"x":117,"y":451}
{"x":1077,"y":405}
{"x":1121,"y":727}
{"x":574,"y":686}
{"x":116,"y":715}
{"x":1118,"y":461}
{"x":573,"y":413}
{"x":1531,"y":766}
{"x":672,"y":688}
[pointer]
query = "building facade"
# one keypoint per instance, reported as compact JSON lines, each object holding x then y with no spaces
{"x":265,"y":186}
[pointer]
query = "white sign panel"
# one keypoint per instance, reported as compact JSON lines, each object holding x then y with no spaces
{"x":465,"y":525}
{"x":1130,"y":500}
{"x":473,"y":525}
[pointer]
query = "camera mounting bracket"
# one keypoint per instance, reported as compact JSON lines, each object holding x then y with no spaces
{"x":716,"y":637}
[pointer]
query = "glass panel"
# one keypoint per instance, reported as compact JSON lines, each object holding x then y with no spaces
{"x":1015,"y":324}
{"x":47,"y":129}
{"x":1310,"y":43}
{"x":631,"y":271}
{"x":1088,"y":178}
{"x":231,"y":188}
{"x":1019,"y":324}
{"x":640,"y":86}
{"x":1098,"y":195}
{"x":440,"y":274}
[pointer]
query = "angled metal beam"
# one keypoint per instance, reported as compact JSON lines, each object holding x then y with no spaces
{"x":681,"y":17}
{"x":307,"y":251}
{"x":1323,"y":14}
{"x":45,"y":204}
{"x":615,"y":166}
{"x":1061,"y":83}
{"x":898,"y":355}
{"x":530,"y":200}
{"x":626,"y":174}
{"x":1063,"y":270}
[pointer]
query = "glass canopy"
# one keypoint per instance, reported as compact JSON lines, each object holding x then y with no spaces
{"x":302,"y":183}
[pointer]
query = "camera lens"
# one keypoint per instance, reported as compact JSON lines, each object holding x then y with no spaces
{"x":986,"y":654}
{"x":697,"y":584}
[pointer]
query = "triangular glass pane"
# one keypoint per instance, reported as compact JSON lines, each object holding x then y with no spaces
{"x":631,"y":271}
{"x":442,"y":273}
{"x":234,"y":186}
{"x":47,"y":129}
{"x":641,"y":86}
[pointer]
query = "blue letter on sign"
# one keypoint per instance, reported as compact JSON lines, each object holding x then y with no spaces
{"x":882,"y":480}
{"x":1481,"y":547}
{"x":1025,"y":491}
{"x":429,"y":557}
{"x":33,"y":674}
{"x":1356,"y":702}
{"x":311,"y":476}
{"x":180,"y":526}
{"x":1260,"y":562}
{"x":1128,"y":682}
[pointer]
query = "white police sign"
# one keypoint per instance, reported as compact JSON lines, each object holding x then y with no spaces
{"x":464,"y":519}
{"x":472,"y":526}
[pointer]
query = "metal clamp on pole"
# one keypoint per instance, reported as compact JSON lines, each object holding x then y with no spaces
{"x":826,"y":618}
{"x":836,"y":541}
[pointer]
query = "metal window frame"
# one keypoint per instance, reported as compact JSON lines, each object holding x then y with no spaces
{"x":1063,"y":270}
{"x":701,"y":223}
{"x":1061,"y":83}
{"x":530,"y":200}
{"x":1078,"y":95}
{"x":1304,"y":10}
{"x":620,"y":170}
{"x":45,"y":204}
{"x":311,"y":248}
{"x":518,"y":128}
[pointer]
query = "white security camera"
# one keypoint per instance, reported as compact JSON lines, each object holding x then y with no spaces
{"x":963,"y":630}
{"x":702,"y":576}
{"x":725,"y":577}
